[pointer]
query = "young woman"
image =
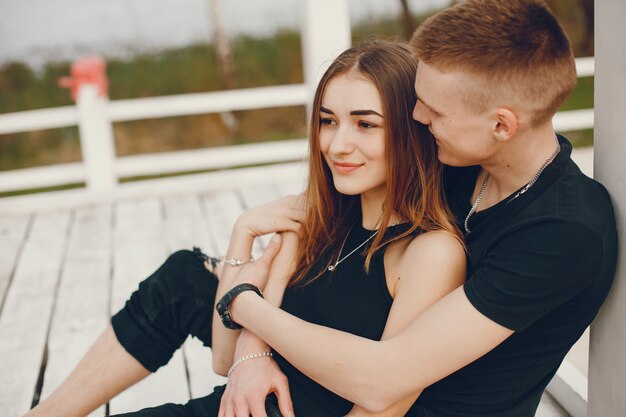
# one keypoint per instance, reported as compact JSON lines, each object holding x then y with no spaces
{"x":376,"y":246}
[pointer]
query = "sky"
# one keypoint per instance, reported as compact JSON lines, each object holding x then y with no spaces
{"x":36,"y":31}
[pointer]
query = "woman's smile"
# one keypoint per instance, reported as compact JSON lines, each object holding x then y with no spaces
{"x":345,"y":167}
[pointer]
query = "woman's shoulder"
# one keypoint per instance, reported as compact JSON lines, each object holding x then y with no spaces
{"x":432,"y":250}
{"x":429,"y":256}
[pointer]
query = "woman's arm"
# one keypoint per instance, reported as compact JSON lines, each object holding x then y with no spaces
{"x":281,"y":215}
{"x":417,"y":284}
{"x":253,"y":380}
{"x":376,"y":375}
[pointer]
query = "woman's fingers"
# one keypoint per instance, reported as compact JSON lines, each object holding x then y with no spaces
{"x":270,"y":252}
{"x":284,"y":397}
{"x":257,"y":407}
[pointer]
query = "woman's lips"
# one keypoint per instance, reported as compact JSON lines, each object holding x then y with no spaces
{"x":345,"y":167}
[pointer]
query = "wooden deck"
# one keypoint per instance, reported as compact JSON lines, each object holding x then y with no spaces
{"x":63,"y":272}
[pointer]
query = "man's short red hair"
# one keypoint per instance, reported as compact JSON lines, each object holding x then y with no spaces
{"x":516,"y":50}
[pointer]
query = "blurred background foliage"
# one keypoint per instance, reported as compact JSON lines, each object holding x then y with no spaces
{"x":265,"y":61}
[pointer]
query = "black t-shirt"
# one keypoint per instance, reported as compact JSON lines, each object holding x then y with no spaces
{"x":541,"y":265}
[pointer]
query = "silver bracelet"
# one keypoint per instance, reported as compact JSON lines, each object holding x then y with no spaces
{"x":246,"y":358}
{"x":233,"y":261}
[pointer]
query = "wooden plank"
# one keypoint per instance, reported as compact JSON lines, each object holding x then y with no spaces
{"x":203,"y":182}
{"x":13,"y":232}
{"x":292,"y":186}
{"x":211,"y":102}
{"x":253,"y":197}
{"x":221,"y":210}
{"x":82,"y":305}
{"x":202,"y":379}
{"x":139,"y":249}
{"x":212,"y":158}
{"x":26,"y":314}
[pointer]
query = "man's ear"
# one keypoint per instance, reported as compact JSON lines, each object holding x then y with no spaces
{"x":506,"y":124}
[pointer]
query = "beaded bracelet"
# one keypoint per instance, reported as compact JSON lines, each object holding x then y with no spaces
{"x":247,"y":357}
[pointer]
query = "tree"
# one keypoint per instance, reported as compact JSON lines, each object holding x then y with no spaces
{"x":223,"y":49}
{"x":225,"y":60}
{"x":407,"y":19}
{"x":587,"y":39}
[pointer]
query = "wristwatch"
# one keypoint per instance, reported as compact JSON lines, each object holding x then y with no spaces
{"x":222,"y":305}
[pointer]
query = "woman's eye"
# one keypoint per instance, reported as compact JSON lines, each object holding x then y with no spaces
{"x":326,"y":121}
{"x":366,"y":125}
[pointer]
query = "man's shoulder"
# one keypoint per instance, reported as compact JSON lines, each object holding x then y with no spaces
{"x":577,"y":199}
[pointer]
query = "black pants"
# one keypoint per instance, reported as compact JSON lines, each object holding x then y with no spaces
{"x":174,"y":302}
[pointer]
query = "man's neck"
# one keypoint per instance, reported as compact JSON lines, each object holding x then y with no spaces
{"x":517,"y":164}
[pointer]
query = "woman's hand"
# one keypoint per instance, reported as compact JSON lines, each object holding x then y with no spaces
{"x":249,"y":384}
{"x":285,"y":214}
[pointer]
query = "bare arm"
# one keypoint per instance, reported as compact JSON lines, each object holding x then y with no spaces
{"x":253,"y":380}
{"x":281,"y":215}
{"x":374,"y":375}
{"x":421,"y":280}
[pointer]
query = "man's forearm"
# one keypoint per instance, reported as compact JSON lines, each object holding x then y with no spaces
{"x":373,"y":374}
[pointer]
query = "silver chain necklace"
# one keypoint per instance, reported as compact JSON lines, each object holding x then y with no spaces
{"x":520,"y":192}
{"x":331,"y":268}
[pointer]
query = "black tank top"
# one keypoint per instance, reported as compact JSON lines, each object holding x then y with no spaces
{"x":347,"y":299}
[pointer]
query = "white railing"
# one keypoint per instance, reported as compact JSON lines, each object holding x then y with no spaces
{"x":323,"y":37}
{"x":101,"y":169}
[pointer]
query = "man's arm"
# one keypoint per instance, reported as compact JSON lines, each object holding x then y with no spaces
{"x":431,"y":267}
{"x":376,"y":375}
{"x":523,"y":279}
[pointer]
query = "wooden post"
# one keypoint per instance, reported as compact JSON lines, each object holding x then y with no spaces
{"x":96,"y":139}
{"x":89,"y":88}
{"x":325,"y":34}
{"x":607,"y":362}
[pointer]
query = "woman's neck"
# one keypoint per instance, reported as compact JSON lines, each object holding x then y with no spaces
{"x":371,"y":210}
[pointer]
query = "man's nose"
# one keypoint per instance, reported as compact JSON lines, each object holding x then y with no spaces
{"x":421,"y":114}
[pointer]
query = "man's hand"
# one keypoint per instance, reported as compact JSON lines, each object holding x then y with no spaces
{"x":249,"y":384}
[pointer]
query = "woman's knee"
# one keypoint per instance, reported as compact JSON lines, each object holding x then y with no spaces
{"x":184,"y":275}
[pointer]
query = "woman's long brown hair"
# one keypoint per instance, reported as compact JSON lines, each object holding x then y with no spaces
{"x":414,"y":174}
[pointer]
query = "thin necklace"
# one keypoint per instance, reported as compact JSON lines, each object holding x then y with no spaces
{"x":331,"y":268}
{"x":520,"y":192}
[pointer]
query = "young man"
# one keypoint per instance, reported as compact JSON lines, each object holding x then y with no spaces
{"x":541,"y":237}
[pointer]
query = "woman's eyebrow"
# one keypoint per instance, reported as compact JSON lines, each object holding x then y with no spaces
{"x":366,"y":113}
{"x":354,"y":112}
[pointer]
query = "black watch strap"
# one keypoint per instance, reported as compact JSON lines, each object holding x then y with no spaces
{"x":222,"y":305}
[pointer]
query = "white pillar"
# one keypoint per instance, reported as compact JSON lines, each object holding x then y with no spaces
{"x":607,"y":362}
{"x":325,"y":34}
{"x":96,"y":139}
